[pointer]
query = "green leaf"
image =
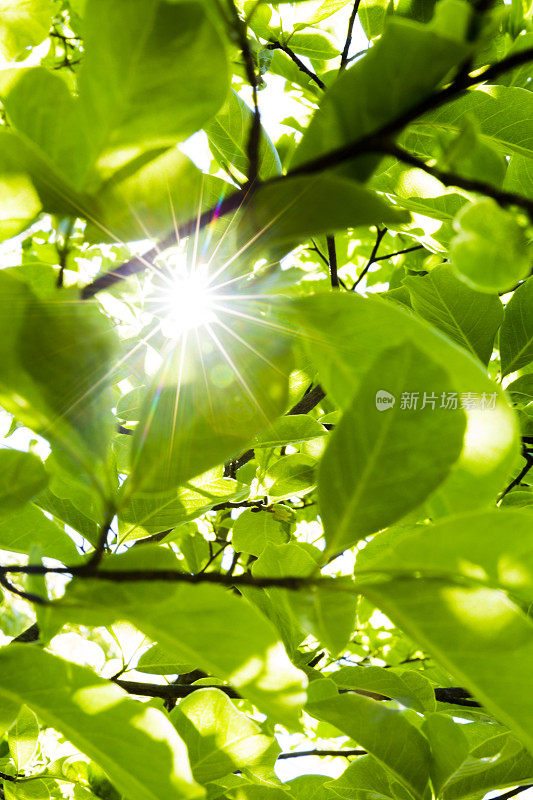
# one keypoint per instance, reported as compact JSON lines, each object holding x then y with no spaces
{"x":392,"y":76}
{"x":467,"y":605}
{"x":502,"y":115}
{"x":385,"y":732}
{"x":156,"y":662}
{"x":22,"y":476}
{"x":393,"y":450}
{"x":290,"y":429}
{"x":255,"y":528}
{"x":408,"y":687}
{"x":58,"y":384}
{"x":40,"y":106}
{"x":228,"y":138}
{"x":22,"y":162}
{"x":21,"y":530}
{"x":490,"y":251}
{"x":464,"y":766}
{"x":326,"y":614}
{"x":23,"y":23}
{"x":23,"y":737}
{"x":146,"y":764}
{"x":205,"y":625}
{"x":516,"y":336}
{"x":215,"y":391}
{"x":219,"y":738}
{"x":132,"y":88}
{"x":312,"y":45}
{"x":149,"y":198}
{"x":298,"y":208}
{"x":345,"y":333}
{"x":367,"y":777}
{"x":19,"y":200}
{"x":291,"y":475}
{"x":468,"y":317}
{"x":149,"y":513}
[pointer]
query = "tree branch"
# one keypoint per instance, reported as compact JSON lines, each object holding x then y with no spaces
{"x":300,"y":753}
{"x":275,"y":45}
{"x":377,"y":141}
{"x":349,"y":34}
{"x":254,"y":136}
{"x":513,"y":792}
{"x":290,"y":582}
{"x":372,"y":257}
{"x":332,"y":257}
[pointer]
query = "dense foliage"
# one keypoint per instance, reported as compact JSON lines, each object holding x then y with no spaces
{"x":267,"y":399}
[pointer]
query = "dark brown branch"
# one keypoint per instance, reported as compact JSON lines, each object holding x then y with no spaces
{"x":275,"y":45}
{"x":101,"y":545}
{"x":310,"y":399}
{"x":349,"y":34}
{"x":290,"y":582}
{"x":522,"y":474}
{"x":254,"y":135}
{"x":513,"y":792}
{"x":332,"y":258}
{"x":168,"y":691}
{"x":372,"y":257}
{"x":377,"y":141}
{"x":452,"y":179}
{"x":300,"y":753}
{"x":29,"y":596}
{"x":400,"y":252}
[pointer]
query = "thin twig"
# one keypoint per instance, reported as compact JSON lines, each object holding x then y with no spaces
{"x":513,"y":792}
{"x":349,"y":34}
{"x":399,"y":252}
{"x":380,"y":234}
{"x":275,"y":45}
{"x":300,"y":753}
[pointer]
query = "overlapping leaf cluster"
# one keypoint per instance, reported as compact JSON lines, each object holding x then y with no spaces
{"x":306,"y":523}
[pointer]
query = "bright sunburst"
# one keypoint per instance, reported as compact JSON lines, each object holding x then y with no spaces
{"x":182,"y":298}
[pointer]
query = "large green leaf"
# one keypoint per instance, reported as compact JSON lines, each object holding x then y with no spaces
{"x":468,"y":317}
{"x":228,"y":135}
{"x":23,"y":738}
{"x":516,"y":336}
{"x":136,"y":746}
{"x":132,"y":86}
{"x":40,"y":106}
{"x":384,"y":459}
{"x":407,"y":686}
{"x":323,"y":612}
{"x":367,"y":777}
{"x":30,"y":181}
{"x":22,"y":476}
{"x":385,"y":732}
{"x":467,"y":604}
{"x":216,"y":390}
{"x":58,"y":384}
{"x":149,"y":513}
{"x":345,"y":333}
{"x":148,"y":199}
{"x":23,"y":23}
{"x":21,"y":530}
{"x":394,"y":75}
{"x":298,"y":208}
{"x":205,"y":625}
{"x":221,"y":739}
{"x":502,"y":115}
